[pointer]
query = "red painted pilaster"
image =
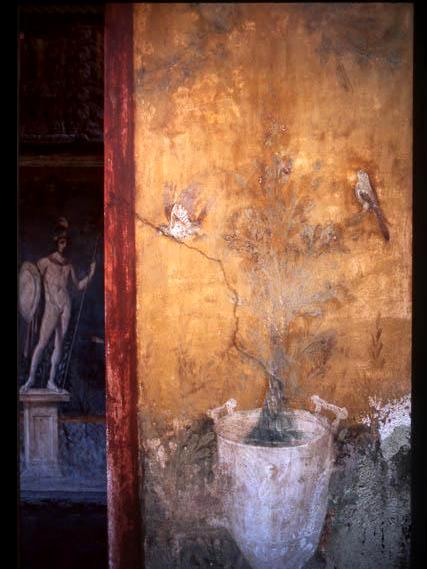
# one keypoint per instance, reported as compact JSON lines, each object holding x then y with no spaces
{"x":124,"y":518}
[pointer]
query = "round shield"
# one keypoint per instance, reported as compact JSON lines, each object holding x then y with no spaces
{"x":29,"y":290}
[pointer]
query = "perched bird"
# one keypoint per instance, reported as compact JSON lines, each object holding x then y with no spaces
{"x":365,"y":194}
{"x":180,"y":225}
{"x":180,"y":210}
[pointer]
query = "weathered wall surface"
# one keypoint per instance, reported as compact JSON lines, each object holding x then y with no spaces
{"x":253,"y":121}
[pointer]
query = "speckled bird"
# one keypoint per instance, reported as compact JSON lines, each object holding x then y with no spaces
{"x":365,"y":194}
{"x":180,"y":210}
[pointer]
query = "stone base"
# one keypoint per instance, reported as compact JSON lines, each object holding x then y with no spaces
{"x":41,"y":432}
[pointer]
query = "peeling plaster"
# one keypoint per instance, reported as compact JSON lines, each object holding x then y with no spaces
{"x":393,"y":421}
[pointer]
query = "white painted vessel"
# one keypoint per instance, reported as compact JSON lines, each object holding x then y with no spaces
{"x":276,"y":502}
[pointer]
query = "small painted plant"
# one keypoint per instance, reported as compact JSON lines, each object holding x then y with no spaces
{"x":376,"y":347}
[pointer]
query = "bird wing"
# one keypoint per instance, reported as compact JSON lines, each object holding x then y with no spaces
{"x":169,"y":195}
{"x":204,"y":211}
{"x":367,"y":197}
{"x":189,"y":198}
{"x":181,"y":213}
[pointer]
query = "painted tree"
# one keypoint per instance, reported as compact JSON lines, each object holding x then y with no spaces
{"x":281,"y":250}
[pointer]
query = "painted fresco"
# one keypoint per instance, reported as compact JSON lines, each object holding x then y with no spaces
{"x":273,"y":256}
{"x":61,"y":330}
{"x":55,"y":203}
{"x":52,"y":274}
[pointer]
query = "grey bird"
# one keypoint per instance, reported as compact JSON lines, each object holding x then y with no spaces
{"x":365,"y":194}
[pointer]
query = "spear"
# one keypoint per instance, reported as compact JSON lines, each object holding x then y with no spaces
{"x":78,"y":317}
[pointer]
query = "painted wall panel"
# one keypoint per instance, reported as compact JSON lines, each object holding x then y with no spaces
{"x":253,"y":251}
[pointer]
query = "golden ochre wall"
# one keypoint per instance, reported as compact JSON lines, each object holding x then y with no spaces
{"x":266,"y":112}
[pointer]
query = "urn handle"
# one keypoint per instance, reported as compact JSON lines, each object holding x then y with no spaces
{"x":340,"y":412}
{"x":216,"y":413}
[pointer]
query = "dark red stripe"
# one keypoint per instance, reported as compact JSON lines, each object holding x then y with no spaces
{"x":124,"y":518}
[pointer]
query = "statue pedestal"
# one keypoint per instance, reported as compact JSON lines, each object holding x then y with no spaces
{"x":41,"y":431}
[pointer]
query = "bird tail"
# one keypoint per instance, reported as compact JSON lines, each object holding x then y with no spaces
{"x":381,"y":222}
